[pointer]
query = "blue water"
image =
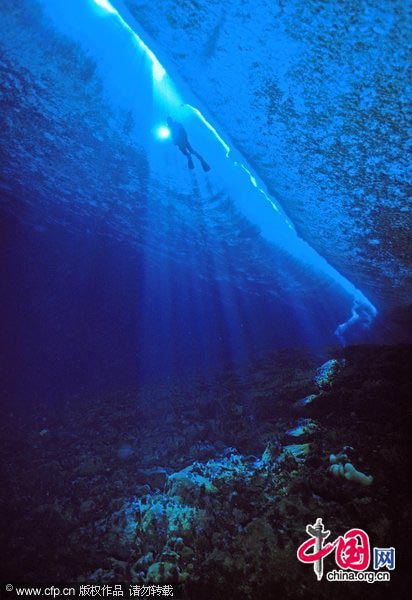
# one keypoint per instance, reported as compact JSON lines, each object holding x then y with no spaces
{"x":87,"y":312}
{"x":178,"y":362}
{"x":190,"y":271}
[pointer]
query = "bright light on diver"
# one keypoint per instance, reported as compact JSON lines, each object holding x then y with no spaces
{"x":162,"y":132}
{"x":106,"y":5}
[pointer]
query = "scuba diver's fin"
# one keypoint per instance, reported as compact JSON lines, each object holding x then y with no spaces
{"x":204,"y":164}
{"x":190,"y":163}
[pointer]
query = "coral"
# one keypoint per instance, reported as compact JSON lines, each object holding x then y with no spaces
{"x":307,"y":400}
{"x":351,"y":474}
{"x":326,"y":374}
{"x":227,"y":527}
{"x":296,"y":450}
{"x":187,"y":484}
{"x":337,"y":470}
{"x":305,"y":427}
{"x":163,"y":572}
{"x":341,"y":468}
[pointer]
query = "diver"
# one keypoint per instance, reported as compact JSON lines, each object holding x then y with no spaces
{"x":179,"y":137}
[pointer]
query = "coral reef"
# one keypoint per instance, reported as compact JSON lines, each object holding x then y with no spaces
{"x":341,"y":468}
{"x":213,"y":496}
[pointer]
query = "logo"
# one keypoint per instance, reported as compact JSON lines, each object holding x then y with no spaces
{"x":352,"y":555}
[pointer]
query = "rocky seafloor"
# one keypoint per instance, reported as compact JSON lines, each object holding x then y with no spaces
{"x":209,"y":483}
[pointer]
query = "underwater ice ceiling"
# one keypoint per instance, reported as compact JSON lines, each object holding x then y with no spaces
{"x":315,"y":94}
{"x":311,"y":95}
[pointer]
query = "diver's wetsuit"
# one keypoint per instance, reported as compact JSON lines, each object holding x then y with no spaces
{"x":180,"y":139}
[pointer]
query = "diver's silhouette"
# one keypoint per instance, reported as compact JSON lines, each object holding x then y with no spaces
{"x":179,"y":137}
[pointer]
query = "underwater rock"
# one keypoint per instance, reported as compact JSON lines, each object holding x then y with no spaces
{"x":163,"y":572}
{"x":229,"y":451}
{"x":164,"y":517}
{"x":304,"y":428}
{"x":326,"y":374}
{"x":189,"y":485}
{"x":144,"y":561}
{"x":298,"y":451}
{"x":102,"y":576}
{"x":187,"y":553}
{"x":307,"y":400}
{"x":169,"y":556}
{"x":118,"y":566}
{"x":258,"y":538}
{"x":154,"y":520}
{"x":155,"y":477}
{"x":271,"y":453}
{"x":138,"y":568}
{"x":142,"y":490}
{"x":254,"y":521}
{"x":117,"y":531}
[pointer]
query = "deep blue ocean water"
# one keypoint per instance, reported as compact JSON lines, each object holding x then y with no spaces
{"x":83,"y":311}
{"x":178,"y":363}
{"x":120,"y":264}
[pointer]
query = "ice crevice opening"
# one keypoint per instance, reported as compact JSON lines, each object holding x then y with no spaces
{"x":169,"y":95}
